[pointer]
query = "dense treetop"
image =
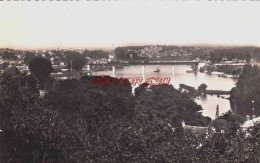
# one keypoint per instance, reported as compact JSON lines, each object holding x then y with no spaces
{"x":247,"y":90}
{"x":166,"y":102}
{"x":40,"y":68}
{"x":29,"y":57}
{"x":75,"y":59}
{"x":81,"y":122}
{"x":95,"y":54}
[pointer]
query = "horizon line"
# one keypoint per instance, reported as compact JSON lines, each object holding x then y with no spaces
{"x":112,"y":47}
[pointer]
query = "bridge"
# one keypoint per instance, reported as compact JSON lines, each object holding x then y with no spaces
{"x":147,"y":63}
{"x":167,"y":63}
{"x":173,"y":62}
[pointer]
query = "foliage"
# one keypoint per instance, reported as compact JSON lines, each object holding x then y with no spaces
{"x":75,"y":59}
{"x":166,"y":102}
{"x":17,"y":87}
{"x":229,"y":123}
{"x":96,"y":54}
{"x":131,"y":55}
{"x":29,"y":57}
{"x":202,"y":87}
{"x":141,"y":89}
{"x":230,"y":54}
{"x":9,"y":56}
{"x":256,"y":55}
{"x":81,"y":122}
{"x":40,"y":68}
{"x":4,"y":65}
{"x":247,"y":89}
{"x":80,"y":98}
{"x":78,"y":64}
{"x":120,"y":53}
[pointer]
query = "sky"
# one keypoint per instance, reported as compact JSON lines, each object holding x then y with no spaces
{"x":109,"y":24}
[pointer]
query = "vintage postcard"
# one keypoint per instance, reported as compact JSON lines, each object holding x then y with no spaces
{"x":122,"y":81}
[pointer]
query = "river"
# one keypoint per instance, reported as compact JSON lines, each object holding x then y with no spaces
{"x":178,"y":75}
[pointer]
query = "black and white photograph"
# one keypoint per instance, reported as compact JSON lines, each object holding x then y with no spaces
{"x":128,"y":81}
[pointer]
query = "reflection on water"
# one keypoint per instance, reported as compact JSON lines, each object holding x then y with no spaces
{"x":178,"y":75}
{"x":209,"y":104}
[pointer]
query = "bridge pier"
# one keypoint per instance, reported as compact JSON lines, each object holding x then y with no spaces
{"x":88,"y":70}
{"x":114,"y":71}
{"x":196,"y":66}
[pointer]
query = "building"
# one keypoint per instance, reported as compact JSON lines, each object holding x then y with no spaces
{"x":251,"y":123}
{"x":111,"y":56}
{"x":102,"y":61}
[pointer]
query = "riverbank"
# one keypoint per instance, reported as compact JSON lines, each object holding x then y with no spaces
{"x":232,"y":70}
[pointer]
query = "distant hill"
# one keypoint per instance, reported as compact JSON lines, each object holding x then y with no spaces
{"x":252,"y":50}
{"x":256,"y":54}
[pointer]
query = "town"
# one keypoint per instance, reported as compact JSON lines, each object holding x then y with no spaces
{"x":100,"y":60}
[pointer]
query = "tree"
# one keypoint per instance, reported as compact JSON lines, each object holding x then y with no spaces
{"x":78,"y":61}
{"x":131,"y":55}
{"x":247,"y":90}
{"x":4,"y":65}
{"x":166,"y":102}
{"x":9,"y":56}
{"x":73,"y":96}
{"x":29,"y":57}
{"x":16,"y":90}
{"x":96,"y":54}
{"x":78,"y":64}
{"x":229,"y":123}
{"x":30,"y":129}
{"x":10,"y":72}
{"x":40,"y":68}
{"x":81,"y":122}
{"x":141,"y":89}
{"x":202,"y":88}
{"x":120,"y":54}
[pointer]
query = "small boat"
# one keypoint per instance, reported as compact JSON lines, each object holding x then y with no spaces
{"x":158,"y":70}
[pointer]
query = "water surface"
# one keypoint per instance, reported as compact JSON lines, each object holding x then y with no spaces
{"x":178,"y":75}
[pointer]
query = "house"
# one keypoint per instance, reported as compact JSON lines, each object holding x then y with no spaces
{"x":102,"y":61}
{"x":63,"y":64}
{"x":92,"y":61}
{"x":111,"y":56}
{"x":64,"y":69}
{"x":52,"y":60}
{"x":55,"y":66}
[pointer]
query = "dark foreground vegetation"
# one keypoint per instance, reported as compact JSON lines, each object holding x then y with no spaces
{"x":77,"y":122}
{"x":247,"y":90}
